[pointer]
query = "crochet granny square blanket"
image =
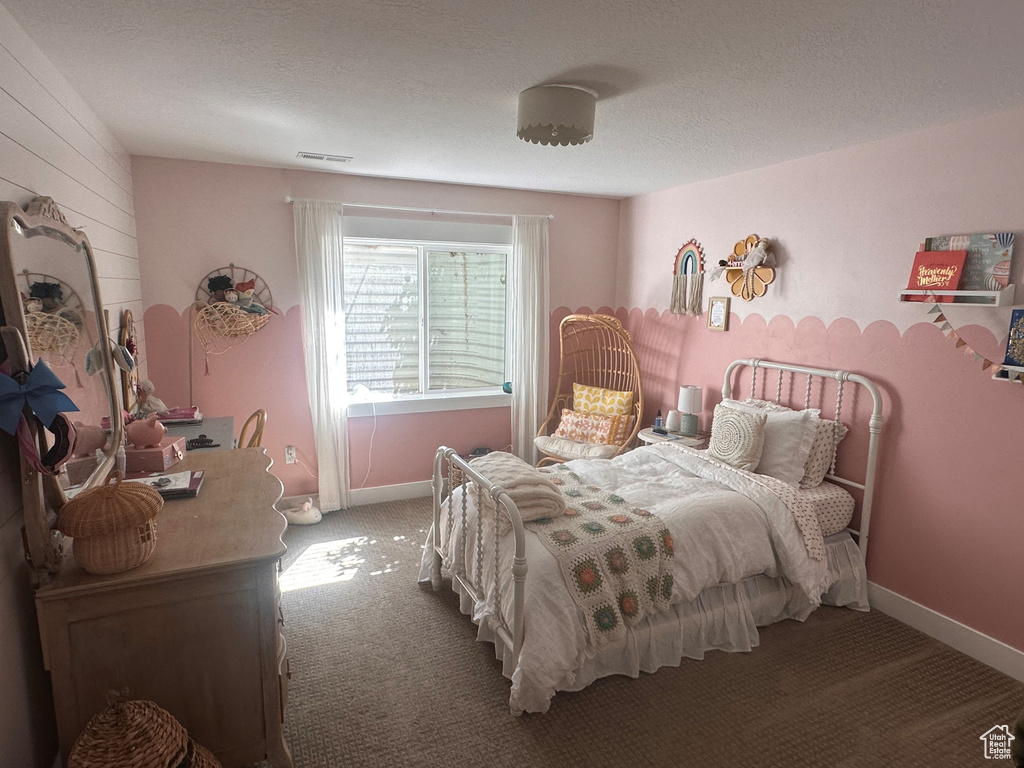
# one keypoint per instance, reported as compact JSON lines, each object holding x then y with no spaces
{"x":615,"y":558}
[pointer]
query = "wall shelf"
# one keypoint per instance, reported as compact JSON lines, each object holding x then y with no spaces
{"x":1003,"y":373}
{"x":1003,"y":298}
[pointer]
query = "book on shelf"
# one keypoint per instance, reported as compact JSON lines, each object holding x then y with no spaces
{"x":1015,"y":340}
{"x":936,"y":271}
{"x":989,"y":259}
{"x":174,"y":485}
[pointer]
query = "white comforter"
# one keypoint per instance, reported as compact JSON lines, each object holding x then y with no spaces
{"x":726,"y":528}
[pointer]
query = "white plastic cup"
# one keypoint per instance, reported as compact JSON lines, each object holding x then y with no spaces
{"x":674,"y":421}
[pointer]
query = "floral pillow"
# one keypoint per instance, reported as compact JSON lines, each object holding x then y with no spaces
{"x":593,"y":427}
{"x":608,"y":402}
{"x":826,"y":439}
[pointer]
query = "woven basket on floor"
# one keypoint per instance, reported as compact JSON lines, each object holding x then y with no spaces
{"x":200,"y":756}
{"x":112,"y":525}
{"x":131,"y":734}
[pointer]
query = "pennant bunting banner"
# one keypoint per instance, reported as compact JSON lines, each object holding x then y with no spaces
{"x":950,"y":333}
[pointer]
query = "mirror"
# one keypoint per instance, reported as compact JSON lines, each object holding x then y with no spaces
{"x":53,"y":312}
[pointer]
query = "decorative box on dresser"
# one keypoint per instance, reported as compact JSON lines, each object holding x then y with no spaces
{"x":197,"y":628}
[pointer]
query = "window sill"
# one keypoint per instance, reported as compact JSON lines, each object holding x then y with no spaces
{"x":430,"y":404}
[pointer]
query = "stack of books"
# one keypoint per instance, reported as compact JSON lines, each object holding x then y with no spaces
{"x":187,"y":415}
{"x":176,"y":485}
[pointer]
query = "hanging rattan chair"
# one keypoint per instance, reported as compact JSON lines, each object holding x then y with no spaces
{"x":597,"y":351}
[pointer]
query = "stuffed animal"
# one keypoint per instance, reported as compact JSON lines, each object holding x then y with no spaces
{"x":49,"y":293}
{"x":231,"y":296}
{"x":148,"y":402}
{"x":306,"y":514}
{"x":31,"y":303}
{"x":217,"y":285}
{"x":248,"y":302}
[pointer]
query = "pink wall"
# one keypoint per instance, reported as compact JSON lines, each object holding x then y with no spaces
{"x":947,"y":526}
{"x":193,"y":217}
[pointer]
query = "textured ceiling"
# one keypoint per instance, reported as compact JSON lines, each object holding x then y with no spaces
{"x":427,"y":89}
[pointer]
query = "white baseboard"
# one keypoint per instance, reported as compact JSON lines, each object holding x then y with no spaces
{"x":975,"y":644}
{"x":399,"y":492}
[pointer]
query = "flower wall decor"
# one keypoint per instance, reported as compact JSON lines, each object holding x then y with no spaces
{"x":750,"y":269}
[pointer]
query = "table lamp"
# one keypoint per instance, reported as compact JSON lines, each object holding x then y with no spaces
{"x":689,"y":409}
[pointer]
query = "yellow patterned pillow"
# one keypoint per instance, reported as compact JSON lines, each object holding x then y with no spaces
{"x":593,"y":428}
{"x":607,"y":402}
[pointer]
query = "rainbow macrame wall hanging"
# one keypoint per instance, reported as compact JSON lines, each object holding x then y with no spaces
{"x":688,"y":280}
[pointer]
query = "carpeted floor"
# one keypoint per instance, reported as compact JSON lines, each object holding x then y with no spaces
{"x":388,"y":673}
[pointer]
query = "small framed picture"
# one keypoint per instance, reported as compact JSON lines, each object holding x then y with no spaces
{"x":718,"y":313}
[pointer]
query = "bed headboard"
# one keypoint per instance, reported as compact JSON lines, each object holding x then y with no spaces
{"x":842,"y":377}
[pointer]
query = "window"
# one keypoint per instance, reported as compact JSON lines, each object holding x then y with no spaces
{"x":423,"y":317}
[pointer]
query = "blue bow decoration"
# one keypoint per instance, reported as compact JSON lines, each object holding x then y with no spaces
{"x":41,"y":391}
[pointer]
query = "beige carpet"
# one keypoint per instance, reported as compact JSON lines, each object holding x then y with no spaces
{"x":388,"y":673}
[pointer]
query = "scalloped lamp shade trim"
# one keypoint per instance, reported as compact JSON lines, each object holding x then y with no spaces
{"x":557,"y":114}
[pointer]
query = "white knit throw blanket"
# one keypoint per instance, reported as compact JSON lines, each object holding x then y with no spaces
{"x":615,"y":558}
{"x":533,"y":492}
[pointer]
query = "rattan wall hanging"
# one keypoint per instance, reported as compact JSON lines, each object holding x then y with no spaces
{"x":54,"y":318}
{"x":232,"y":303}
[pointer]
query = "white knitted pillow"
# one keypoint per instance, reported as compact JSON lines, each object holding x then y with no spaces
{"x":819,"y":462}
{"x":737,"y":437}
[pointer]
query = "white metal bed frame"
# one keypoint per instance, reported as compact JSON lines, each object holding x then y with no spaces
{"x":459,"y":472}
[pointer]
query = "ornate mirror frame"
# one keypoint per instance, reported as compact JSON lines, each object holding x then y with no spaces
{"x":42,"y":496}
{"x":129,"y":379}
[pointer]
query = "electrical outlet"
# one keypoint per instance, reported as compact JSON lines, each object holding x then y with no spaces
{"x":289,"y":454}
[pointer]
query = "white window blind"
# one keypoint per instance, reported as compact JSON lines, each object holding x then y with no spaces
{"x":425,"y":317}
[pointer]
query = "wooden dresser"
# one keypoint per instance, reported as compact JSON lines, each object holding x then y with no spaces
{"x":197,"y":629}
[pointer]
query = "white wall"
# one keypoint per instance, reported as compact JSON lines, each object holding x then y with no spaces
{"x":51,"y":144}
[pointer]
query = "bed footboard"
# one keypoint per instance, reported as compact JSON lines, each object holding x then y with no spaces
{"x":450,"y":472}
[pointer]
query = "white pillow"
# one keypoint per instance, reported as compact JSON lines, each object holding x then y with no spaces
{"x":565,"y":448}
{"x":788,"y":437}
{"x":737,"y":437}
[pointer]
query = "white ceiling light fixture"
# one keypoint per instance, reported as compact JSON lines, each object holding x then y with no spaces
{"x":557,"y":114}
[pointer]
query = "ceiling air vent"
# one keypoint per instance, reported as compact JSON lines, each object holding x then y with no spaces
{"x":320,"y":156}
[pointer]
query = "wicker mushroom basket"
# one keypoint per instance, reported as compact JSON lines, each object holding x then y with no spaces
{"x":137,"y":734}
{"x":112,"y":525}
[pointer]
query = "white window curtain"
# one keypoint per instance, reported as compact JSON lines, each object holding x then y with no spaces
{"x":318,"y":249}
{"x":529,"y":332}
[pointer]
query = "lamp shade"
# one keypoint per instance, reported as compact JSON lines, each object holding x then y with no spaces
{"x":690,"y":399}
{"x":557,"y":114}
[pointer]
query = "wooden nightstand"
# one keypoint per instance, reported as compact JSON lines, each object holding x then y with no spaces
{"x":650,"y":436}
